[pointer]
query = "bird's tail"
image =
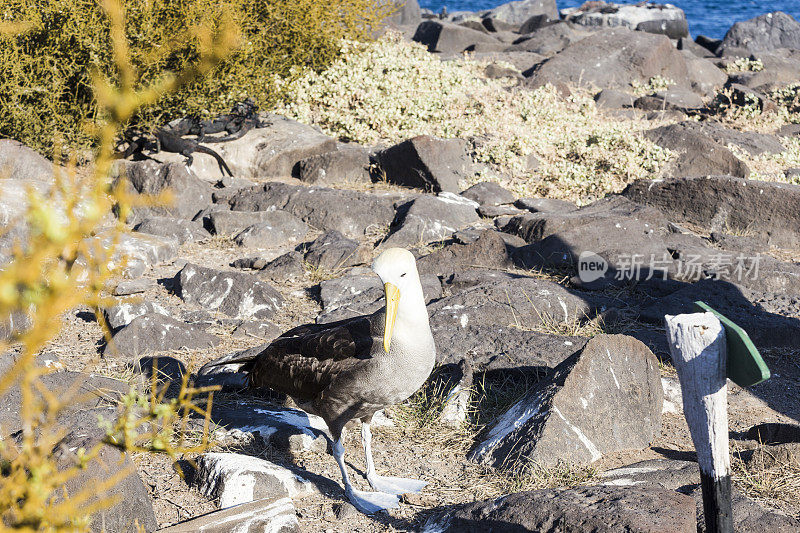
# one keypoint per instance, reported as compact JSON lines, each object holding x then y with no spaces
{"x":239,"y":361}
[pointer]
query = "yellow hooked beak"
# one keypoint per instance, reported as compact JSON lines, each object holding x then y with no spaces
{"x":392,"y":297}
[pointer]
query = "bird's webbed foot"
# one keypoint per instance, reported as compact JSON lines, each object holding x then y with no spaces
{"x":395,"y":485}
{"x":372,"y":502}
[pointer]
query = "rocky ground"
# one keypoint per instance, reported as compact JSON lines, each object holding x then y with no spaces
{"x":551,"y":388}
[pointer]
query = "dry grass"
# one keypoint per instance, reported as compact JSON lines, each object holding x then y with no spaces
{"x":775,"y":483}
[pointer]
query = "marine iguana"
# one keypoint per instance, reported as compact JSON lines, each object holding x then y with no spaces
{"x":242,"y":118}
{"x":166,"y":141}
{"x":169,"y":142}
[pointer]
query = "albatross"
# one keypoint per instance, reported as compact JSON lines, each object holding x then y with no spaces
{"x":352,"y":368}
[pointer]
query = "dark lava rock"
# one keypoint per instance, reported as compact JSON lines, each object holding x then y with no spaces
{"x":766,"y":210}
{"x":677,"y":98}
{"x":603,"y":399}
{"x":352,"y":213}
{"x":666,"y":473}
{"x":235,"y":294}
{"x":548,"y":40}
{"x":277,"y":228}
{"x":154,"y":332}
{"x":760,"y":317}
{"x":18,"y":162}
{"x":545,"y":205}
{"x":123,"y":313}
{"x":704,"y":75}
{"x":86,"y":398}
{"x":426,"y":163}
{"x":774,"y":433}
{"x":179,"y":229}
{"x":613,"y":99}
{"x":600,"y":509}
{"x":287,"y":267}
{"x":488,"y":193}
{"x":347,"y":164}
{"x":518,"y":12}
{"x":488,"y":251}
{"x":444,"y":37}
{"x":132,"y":510}
{"x":503,"y":348}
{"x":333,"y":251}
{"x":762,"y":34}
{"x":407,"y":12}
{"x":614,"y":58}
{"x":190,"y":194}
{"x":520,"y":301}
{"x":697,"y":154}
{"x":261,"y":329}
{"x":431,"y":218}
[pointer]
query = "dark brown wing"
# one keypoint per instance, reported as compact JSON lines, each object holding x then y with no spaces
{"x":303,"y":361}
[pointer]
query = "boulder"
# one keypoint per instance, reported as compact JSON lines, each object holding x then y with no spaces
{"x":426,"y":163}
{"x":549,"y":40}
{"x":177,"y":229}
{"x":539,"y":225}
{"x":18,"y":162}
{"x":487,"y":251}
{"x":545,"y":205}
{"x":406,"y":12}
{"x":613,"y":99}
{"x":154,"y":332}
{"x":231,"y":223}
{"x":663,"y":19}
{"x":264,"y":330}
{"x":448,"y":38}
{"x":762,"y":34}
{"x":189,"y":194}
{"x":522,"y":302}
{"x":669,"y":474}
{"x":678,"y":99}
{"x":704,"y":76}
{"x":278,"y":515}
{"x":235,"y":294}
{"x":597,"y":509}
{"x":132,"y":510}
{"x":697,"y":154}
{"x":762,"y":316}
{"x":134,"y":286}
{"x":287,"y":267}
{"x":347,"y":164}
{"x":522,"y":61}
{"x":613,"y":58}
{"x":233,"y":479}
{"x":781,"y":68}
{"x":123,"y":313}
{"x":766,"y":210}
{"x":352,"y":213}
{"x":86,"y":397}
{"x":517,"y":12}
{"x":430,"y":218}
{"x":262,"y":153}
{"x":488,"y":193}
{"x":284,"y":429}
{"x":333,"y":251}
{"x":503,"y":348}
{"x":603,"y":399}
{"x":276,"y":228}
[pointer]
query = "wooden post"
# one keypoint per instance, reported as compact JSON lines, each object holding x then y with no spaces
{"x":697,"y":346}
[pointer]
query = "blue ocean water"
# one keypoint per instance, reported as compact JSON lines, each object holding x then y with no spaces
{"x":711,"y":18}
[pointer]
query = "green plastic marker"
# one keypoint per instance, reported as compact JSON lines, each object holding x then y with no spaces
{"x":746,"y":367}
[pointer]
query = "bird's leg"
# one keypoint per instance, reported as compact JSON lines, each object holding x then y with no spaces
{"x":366,"y":502}
{"x":392,"y":485}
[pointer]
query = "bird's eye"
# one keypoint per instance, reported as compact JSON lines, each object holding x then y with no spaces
{"x":403,"y":274}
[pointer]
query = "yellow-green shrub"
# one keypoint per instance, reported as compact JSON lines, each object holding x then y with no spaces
{"x":47,"y":67}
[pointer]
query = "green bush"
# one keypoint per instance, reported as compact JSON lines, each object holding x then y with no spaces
{"x":49,"y":63}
